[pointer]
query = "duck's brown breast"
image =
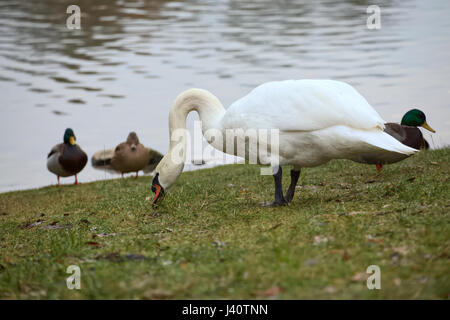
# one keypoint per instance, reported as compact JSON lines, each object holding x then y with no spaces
{"x":73,"y":159}
{"x":128,"y":160}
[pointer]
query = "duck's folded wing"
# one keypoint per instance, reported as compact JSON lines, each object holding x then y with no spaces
{"x":56,"y":149}
{"x":410,"y":136}
{"x":396,"y":130}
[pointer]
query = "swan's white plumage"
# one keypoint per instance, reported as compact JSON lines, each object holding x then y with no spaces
{"x":318,"y":120}
{"x":302,"y":105}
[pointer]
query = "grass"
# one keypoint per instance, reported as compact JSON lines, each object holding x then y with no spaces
{"x":211,"y":238}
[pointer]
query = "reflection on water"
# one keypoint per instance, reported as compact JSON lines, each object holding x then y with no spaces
{"x":123,"y":69}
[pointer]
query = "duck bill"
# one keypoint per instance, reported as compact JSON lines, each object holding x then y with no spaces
{"x":72,"y":141}
{"x":159,"y":195}
{"x":426,"y":126}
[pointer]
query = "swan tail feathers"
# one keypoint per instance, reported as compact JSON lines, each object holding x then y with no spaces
{"x":387,"y":142}
{"x":384,"y":149}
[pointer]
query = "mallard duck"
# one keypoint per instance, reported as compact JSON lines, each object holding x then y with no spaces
{"x":130,"y":156}
{"x":316,"y":121}
{"x":102,"y":160}
{"x":66,"y":159}
{"x":407,"y":132}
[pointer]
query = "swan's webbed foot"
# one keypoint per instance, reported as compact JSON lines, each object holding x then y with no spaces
{"x":276,"y":203}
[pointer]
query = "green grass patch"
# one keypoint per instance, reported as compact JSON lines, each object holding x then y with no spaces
{"x":211,"y":239}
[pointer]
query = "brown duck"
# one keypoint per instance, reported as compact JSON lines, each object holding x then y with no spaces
{"x":66,"y":159}
{"x":130,"y":156}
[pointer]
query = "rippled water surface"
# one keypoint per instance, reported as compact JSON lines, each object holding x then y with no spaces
{"x":123,"y":69}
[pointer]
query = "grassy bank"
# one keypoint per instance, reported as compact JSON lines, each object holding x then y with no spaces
{"x":211,"y":238}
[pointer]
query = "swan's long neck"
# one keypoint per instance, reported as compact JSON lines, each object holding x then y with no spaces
{"x":205,"y":103}
{"x":210,"y":111}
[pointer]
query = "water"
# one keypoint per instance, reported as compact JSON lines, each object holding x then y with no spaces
{"x":123,"y":70}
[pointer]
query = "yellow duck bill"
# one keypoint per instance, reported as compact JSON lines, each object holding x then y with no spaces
{"x":426,"y":126}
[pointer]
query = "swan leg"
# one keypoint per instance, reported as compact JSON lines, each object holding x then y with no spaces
{"x":59,"y":184}
{"x":76,"y":180}
{"x":279,"y":198}
{"x":295,"y":174}
{"x":137,"y":172}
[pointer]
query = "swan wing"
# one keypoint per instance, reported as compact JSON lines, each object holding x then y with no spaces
{"x":302,"y":105}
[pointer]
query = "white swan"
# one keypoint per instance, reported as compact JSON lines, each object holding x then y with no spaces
{"x":318,"y":120}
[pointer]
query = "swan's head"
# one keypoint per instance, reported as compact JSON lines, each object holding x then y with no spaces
{"x":166,"y":174}
{"x":416,"y":118}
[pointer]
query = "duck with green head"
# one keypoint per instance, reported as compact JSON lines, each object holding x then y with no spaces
{"x":66,"y":159}
{"x":407,"y":132}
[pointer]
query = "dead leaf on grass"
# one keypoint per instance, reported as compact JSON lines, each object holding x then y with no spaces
{"x":157,"y":294}
{"x":94,"y":244}
{"x":34,"y":224}
{"x":220,"y":243}
{"x":113,"y":257}
{"x":103,"y":235}
{"x":271,"y":292}
{"x":135,"y":257}
{"x":330,"y":289}
{"x":360,"y":276}
{"x":321,"y":239}
{"x":274,"y":227}
{"x":403,"y":250}
{"x":345,"y":256}
{"x":53,"y":226}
